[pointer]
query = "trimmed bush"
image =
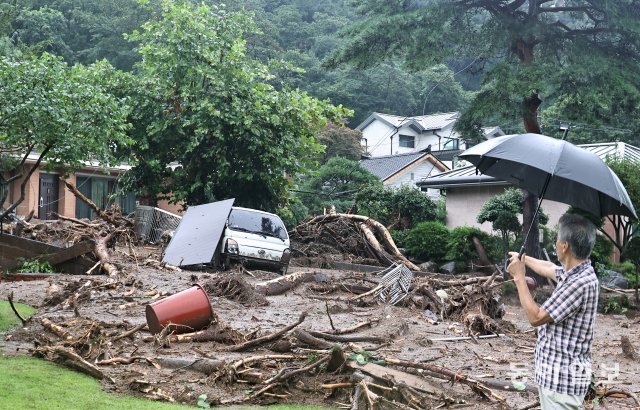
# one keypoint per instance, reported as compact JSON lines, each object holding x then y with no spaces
{"x":428,"y":241}
{"x":460,"y":245}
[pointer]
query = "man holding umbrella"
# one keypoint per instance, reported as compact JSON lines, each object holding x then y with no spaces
{"x":566,"y":320}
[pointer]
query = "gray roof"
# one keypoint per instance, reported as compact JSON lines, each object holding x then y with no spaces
{"x":468,"y":175}
{"x":446,"y":154}
{"x":388,"y":165}
{"x":420,"y":123}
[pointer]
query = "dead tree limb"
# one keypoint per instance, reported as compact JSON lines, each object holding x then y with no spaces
{"x":129,"y":332}
{"x":307,"y":339}
{"x":475,"y":385}
{"x":284,"y":283}
{"x":340,"y":338}
{"x":55,"y":329}
{"x":10,"y":299}
{"x":285,"y":376}
{"x":201,"y":365}
{"x":71,"y":359}
{"x":101,"y":213}
{"x":102,"y":252}
{"x":268,"y":338}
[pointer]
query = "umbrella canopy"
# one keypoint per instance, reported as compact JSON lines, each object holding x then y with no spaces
{"x":553,"y":169}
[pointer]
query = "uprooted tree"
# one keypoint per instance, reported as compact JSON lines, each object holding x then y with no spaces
{"x":55,"y":116}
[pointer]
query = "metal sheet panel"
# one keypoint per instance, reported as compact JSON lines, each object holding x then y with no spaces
{"x":196,"y":239}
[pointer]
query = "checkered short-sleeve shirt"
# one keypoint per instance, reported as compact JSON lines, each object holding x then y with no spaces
{"x":563,"y":352}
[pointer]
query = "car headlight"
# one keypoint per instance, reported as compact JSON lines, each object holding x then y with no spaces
{"x":232,"y":246}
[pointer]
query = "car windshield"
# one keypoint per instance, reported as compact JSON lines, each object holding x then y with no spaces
{"x":257,"y":222}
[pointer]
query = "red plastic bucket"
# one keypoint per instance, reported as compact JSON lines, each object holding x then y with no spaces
{"x":184,"y":312}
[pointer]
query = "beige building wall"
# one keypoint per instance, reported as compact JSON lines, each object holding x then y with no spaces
{"x":463,"y":206}
{"x":67,"y":203}
{"x":30,"y":194}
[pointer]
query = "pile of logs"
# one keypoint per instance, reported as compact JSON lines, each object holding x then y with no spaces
{"x":353,"y":235}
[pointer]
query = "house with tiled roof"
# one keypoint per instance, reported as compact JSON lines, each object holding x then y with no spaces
{"x":466,"y":190}
{"x":405,"y":169}
{"x":386,"y":134}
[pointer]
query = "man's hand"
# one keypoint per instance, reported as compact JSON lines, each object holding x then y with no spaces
{"x":516,"y":266}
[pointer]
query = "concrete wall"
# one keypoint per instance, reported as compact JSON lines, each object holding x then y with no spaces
{"x":463,"y":206}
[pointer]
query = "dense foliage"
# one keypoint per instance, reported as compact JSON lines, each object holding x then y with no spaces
{"x":428,"y":241}
{"x":335,"y":184}
{"x":209,"y":108}
{"x":63,"y":116}
{"x":397,"y":208}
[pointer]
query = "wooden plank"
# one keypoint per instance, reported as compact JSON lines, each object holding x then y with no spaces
{"x":397,"y":376}
{"x":36,"y":247}
{"x":71,"y":252}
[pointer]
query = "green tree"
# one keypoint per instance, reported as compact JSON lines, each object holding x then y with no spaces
{"x":624,"y":227}
{"x":335,"y":184}
{"x":530,"y":49}
{"x":397,"y":208}
{"x":209,"y":108}
{"x":340,"y":141}
{"x":63,"y":116}
{"x":502,"y":211}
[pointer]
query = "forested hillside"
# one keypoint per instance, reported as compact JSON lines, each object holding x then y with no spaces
{"x":305,"y":33}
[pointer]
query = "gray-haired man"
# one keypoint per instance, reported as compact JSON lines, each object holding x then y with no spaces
{"x":566,"y":319}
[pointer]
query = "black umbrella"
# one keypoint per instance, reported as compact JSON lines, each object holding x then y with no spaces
{"x":553,"y":169}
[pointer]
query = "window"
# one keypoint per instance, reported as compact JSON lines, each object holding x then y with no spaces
{"x":453,"y":143}
{"x":407,"y":141}
{"x":103,"y":192}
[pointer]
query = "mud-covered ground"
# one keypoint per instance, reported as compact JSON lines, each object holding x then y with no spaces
{"x":113,"y":310}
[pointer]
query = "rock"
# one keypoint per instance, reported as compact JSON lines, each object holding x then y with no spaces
{"x":448,"y":268}
{"x":613,"y":279}
{"x":429,"y":267}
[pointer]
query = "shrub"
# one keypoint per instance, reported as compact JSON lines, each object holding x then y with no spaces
{"x":428,"y":241}
{"x":461,"y":248}
{"x":35,"y":266}
{"x":400,"y":237}
{"x":601,"y":251}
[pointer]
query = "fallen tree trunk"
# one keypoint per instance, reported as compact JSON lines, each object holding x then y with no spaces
{"x":201,"y":365}
{"x":342,"y":338}
{"x":71,"y":359}
{"x":312,"y":341}
{"x":284,"y":283}
{"x":102,"y":252}
{"x":475,"y":385}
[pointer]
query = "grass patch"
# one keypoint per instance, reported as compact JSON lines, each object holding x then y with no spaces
{"x":30,"y":383}
{"x":8,"y":319}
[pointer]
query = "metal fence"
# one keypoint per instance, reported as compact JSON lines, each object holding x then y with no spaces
{"x":152,"y":224}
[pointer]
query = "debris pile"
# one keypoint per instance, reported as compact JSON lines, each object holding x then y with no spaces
{"x":358,"y":238}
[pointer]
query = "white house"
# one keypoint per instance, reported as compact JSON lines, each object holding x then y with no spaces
{"x":385,"y":134}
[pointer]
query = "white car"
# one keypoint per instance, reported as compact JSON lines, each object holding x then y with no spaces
{"x":255,"y":237}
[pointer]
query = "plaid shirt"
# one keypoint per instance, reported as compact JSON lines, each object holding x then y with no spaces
{"x":563,"y":351}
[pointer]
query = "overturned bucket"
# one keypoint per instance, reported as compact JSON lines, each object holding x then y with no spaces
{"x":186,"y":311}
